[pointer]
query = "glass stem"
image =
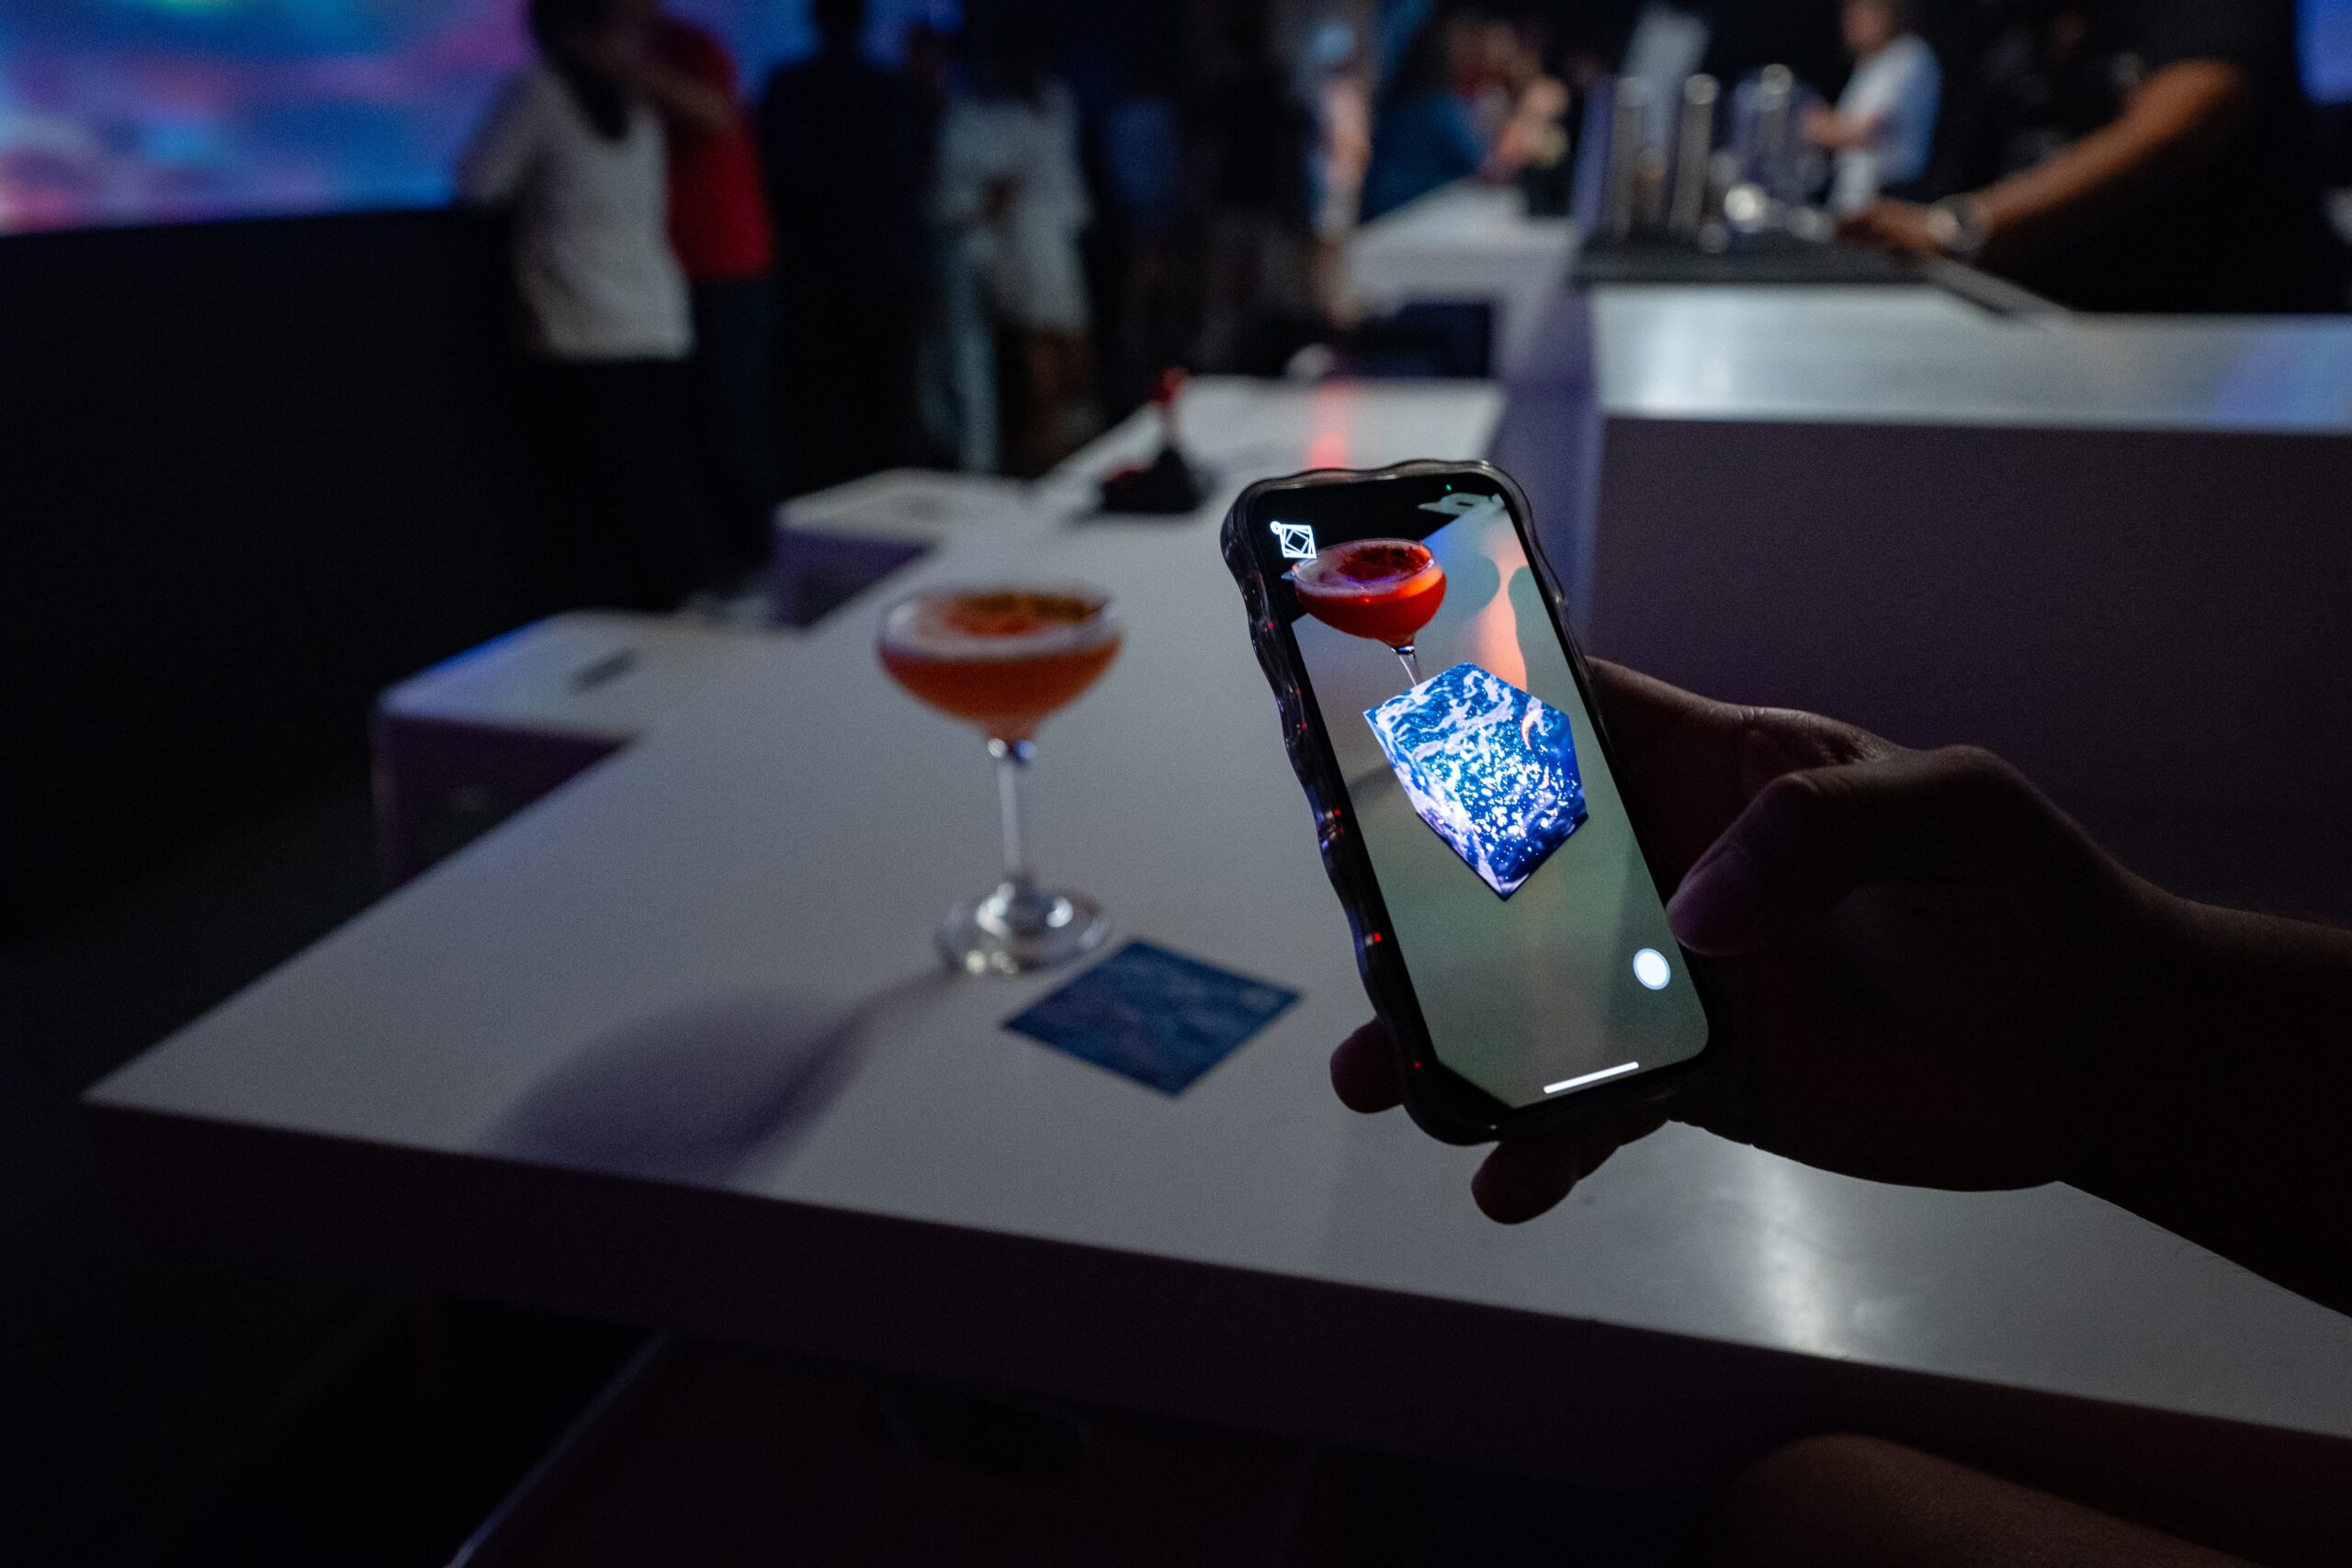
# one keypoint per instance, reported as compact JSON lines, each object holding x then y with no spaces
{"x":1412,"y":661}
{"x":1012,"y":769}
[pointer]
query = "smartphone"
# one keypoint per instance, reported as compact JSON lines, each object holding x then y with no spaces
{"x":1508,"y":913}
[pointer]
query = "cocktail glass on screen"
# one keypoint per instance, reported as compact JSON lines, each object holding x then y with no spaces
{"x":1386,"y":589}
{"x":1004,"y":659}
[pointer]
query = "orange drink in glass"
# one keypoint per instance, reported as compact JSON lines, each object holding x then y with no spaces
{"x":1003,"y":657}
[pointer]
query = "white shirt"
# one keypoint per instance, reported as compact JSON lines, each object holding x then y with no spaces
{"x":1040,"y":282}
{"x":1900,"y":86}
{"x":592,"y":250}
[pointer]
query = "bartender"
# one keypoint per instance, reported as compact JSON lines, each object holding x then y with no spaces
{"x":2143,"y":156}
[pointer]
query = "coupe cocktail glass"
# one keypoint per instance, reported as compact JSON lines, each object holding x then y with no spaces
{"x":1383,"y":589}
{"x":1004,"y":658}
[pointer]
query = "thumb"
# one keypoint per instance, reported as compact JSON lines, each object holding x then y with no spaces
{"x":1808,"y":839}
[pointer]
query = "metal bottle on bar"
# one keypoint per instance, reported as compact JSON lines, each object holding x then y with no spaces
{"x":1628,"y":130}
{"x":1775,"y":129}
{"x":1694,"y":146}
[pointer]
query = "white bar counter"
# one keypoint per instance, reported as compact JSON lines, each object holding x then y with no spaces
{"x":2111,"y":549}
{"x":672,"y":1046}
{"x":1466,"y":243}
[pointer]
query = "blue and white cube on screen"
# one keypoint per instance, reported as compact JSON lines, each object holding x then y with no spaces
{"x":1491,"y":768}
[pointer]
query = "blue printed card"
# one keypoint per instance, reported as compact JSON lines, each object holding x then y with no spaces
{"x":1161,"y":1018}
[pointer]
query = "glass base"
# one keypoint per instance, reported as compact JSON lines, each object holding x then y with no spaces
{"x":1019,"y":930}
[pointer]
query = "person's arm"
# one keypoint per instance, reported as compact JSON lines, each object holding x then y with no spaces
{"x":2196,"y":1061}
{"x":1832,"y":132}
{"x":1540,"y":107}
{"x":1933,"y":978}
{"x":2228,"y":1125}
{"x":2181,"y":117}
{"x":492,"y":168}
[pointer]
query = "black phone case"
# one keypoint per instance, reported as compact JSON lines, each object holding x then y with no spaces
{"x":1445,"y":1105}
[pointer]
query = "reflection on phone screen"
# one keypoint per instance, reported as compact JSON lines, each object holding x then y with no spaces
{"x":1517,"y":892}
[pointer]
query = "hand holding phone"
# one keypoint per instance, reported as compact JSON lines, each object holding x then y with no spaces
{"x":1903,"y":966}
{"x":1509,"y":920}
{"x":1927,"y":974}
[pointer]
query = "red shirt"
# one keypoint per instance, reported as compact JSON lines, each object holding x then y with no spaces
{"x":719,"y":214}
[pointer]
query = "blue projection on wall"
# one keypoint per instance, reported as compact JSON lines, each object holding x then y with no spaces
{"x":2327,"y":49}
{"x":141,"y":111}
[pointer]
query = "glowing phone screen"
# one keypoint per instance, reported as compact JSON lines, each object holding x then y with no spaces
{"x":1516,"y":890}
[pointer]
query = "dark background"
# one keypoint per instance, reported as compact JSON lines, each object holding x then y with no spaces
{"x":254,"y":471}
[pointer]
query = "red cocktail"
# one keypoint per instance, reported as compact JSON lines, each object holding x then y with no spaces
{"x":1386,"y":590}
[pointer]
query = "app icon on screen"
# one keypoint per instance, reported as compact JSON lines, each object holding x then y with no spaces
{"x":1295,"y":540}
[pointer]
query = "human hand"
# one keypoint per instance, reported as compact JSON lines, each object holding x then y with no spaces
{"x":1545,"y":100}
{"x":1821,"y":126}
{"x":1927,"y":968}
{"x":1898,"y":226}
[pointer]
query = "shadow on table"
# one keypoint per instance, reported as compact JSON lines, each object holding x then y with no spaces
{"x":691,"y":1094}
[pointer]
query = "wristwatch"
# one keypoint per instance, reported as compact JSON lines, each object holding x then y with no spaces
{"x":1959,"y":226}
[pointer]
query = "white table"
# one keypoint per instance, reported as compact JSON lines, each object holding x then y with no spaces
{"x":836,"y":545}
{"x":1896,"y":354}
{"x":672,"y":1046}
{"x":525,"y":712}
{"x":1466,"y":243}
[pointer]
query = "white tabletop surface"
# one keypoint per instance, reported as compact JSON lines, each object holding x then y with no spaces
{"x":1920,"y":356}
{"x":920,"y":504}
{"x":615,"y":674}
{"x":1466,"y":241}
{"x":614,"y":982}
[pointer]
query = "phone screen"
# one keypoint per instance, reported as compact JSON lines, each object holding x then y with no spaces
{"x":1516,"y":890}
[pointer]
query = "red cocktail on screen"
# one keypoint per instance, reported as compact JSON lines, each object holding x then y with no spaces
{"x":1386,"y":590}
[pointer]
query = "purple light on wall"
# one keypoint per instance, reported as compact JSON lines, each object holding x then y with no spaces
{"x":144,"y":111}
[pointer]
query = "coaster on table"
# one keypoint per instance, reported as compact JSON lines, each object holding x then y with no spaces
{"x":1159,"y":1018}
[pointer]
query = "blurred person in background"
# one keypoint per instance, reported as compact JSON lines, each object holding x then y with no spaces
{"x":1498,"y":67}
{"x":956,"y":365}
{"x":1254,"y":140}
{"x":1466,"y":98}
{"x":1341,"y":82}
{"x":1423,"y":135}
{"x":1009,"y":183}
{"x":577,"y":154}
{"x":1883,"y":131}
{"x":848,"y":168}
{"x":1344,"y":86}
{"x":718,"y":226}
{"x":1535,"y":104}
{"x":2148,"y":155}
{"x":1144,"y":172}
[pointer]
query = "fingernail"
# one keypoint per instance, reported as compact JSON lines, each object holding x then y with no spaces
{"x":1718,"y":902}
